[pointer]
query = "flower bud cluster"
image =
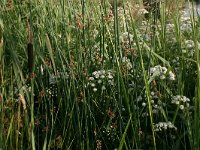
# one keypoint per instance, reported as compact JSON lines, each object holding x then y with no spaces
{"x":161,"y":72}
{"x":126,"y":61}
{"x":189,"y":47}
{"x":182,"y":101}
{"x":101,"y":79}
{"x":164,"y":126}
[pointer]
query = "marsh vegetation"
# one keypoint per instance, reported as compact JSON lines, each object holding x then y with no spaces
{"x":99,"y":75}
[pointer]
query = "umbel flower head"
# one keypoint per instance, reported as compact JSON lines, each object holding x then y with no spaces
{"x":161,"y":126}
{"x":101,"y":79}
{"x":161,"y":73}
{"x":181,"y":101}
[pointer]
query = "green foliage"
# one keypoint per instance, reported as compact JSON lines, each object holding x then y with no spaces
{"x":105,"y":77}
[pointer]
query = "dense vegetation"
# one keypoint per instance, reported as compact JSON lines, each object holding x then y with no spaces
{"x":98,"y":75}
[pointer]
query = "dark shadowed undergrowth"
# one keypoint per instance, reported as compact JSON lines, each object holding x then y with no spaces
{"x":99,"y":75}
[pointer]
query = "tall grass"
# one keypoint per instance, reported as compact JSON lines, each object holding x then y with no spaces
{"x":101,"y":76}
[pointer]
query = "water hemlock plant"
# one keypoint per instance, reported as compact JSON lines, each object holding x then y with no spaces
{"x":99,"y":75}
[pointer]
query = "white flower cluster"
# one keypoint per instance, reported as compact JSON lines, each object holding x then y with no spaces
{"x":185,"y":19}
{"x":189,"y":44}
{"x":126,"y":38}
{"x":126,"y":61}
{"x":164,"y":126}
{"x":100,"y":79}
{"x":190,"y":47}
{"x":170,"y":27}
{"x":182,"y":101}
{"x":186,"y":27}
{"x":161,"y":72}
